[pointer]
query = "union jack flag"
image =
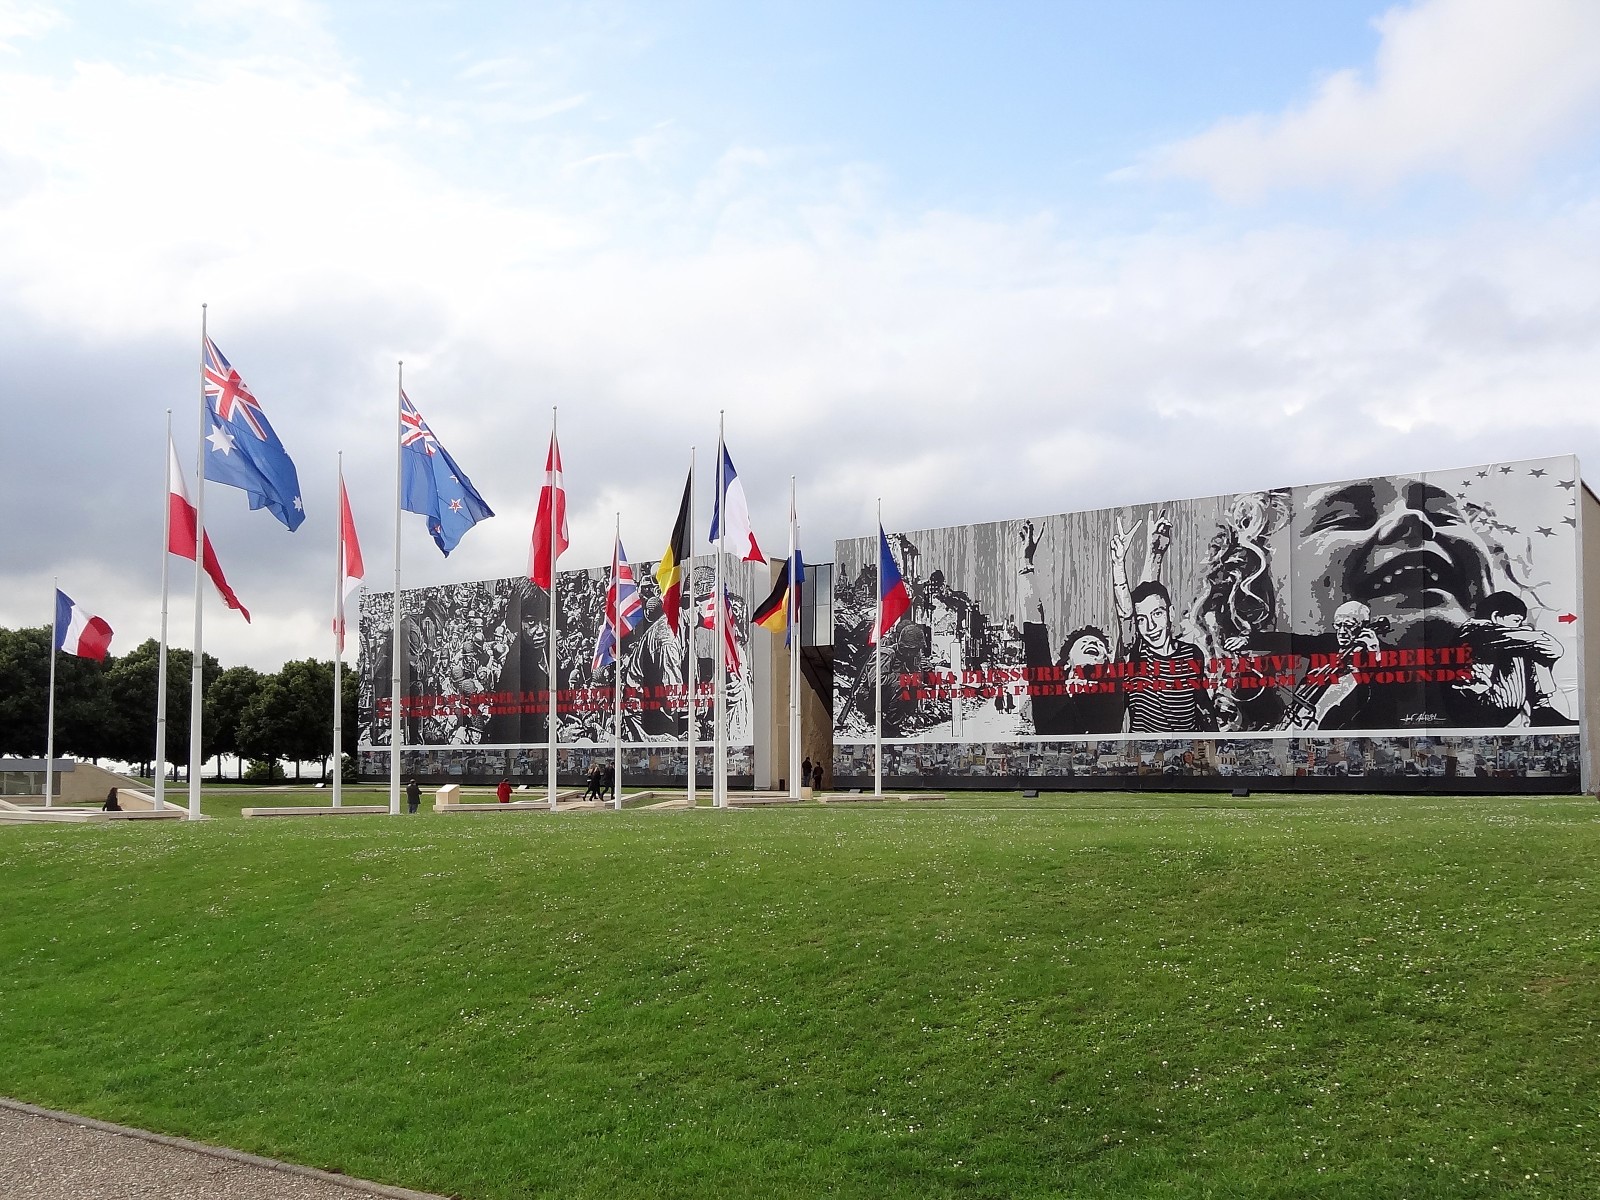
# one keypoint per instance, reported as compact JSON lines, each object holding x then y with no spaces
{"x":413,"y":428}
{"x":624,"y":609}
{"x":242,"y":450}
{"x":228,"y":394}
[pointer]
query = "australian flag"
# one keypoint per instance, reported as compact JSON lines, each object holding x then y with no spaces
{"x":431,"y":485}
{"x":242,"y":451}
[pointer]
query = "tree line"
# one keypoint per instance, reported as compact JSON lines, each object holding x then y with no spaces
{"x":107,"y":710}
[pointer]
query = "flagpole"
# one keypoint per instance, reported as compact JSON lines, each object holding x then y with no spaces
{"x":197,"y":667}
{"x":688,"y":637}
{"x":161,"y":654}
{"x":50,"y":708}
{"x":793,"y":601}
{"x":719,"y":765}
{"x":397,"y":727}
{"x":877,"y":670}
{"x":552,"y":659}
{"x":338,"y":632}
{"x":613,"y":595}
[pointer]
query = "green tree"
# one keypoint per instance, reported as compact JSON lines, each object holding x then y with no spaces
{"x":24,"y":687}
{"x":226,"y":701}
{"x":84,"y":714}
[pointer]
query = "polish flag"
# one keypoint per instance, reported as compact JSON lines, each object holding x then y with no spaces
{"x":180,"y":531}
{"x":79,"y":633}
{"x":551,"y":519}
{"x":352,"y":571}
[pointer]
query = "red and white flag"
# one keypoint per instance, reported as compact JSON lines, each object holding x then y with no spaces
{"x":731,"y":658}
{"x":353,"y":571}
{"x":180,"y":531}
{"x":550,"y":522}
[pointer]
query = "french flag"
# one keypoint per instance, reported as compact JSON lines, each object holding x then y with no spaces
{"x":730,"y":518}
{"x":896,"y":600}
{"x":77,"y":632}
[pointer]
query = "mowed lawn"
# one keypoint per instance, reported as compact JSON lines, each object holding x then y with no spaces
{"x":1082,"y":995}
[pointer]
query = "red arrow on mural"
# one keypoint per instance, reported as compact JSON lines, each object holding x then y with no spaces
{"x":1567,"y":618}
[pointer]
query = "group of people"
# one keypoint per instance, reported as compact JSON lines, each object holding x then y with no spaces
{"x":1392,"y":605}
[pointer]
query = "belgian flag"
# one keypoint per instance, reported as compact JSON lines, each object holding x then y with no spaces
{"x":670,"y":570}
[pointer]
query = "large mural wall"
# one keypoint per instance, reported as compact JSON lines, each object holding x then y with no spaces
{"x":1400,"y":626}
{"x":474,"y":683}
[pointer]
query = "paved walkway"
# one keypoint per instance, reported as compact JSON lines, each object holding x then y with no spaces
{"x":48,"y":1155}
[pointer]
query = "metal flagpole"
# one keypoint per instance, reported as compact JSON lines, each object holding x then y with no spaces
{"x":161,"y":654}
{"x":338,"y":633}
{"x":719,"y":765}
{"x":196,"y":678}
{"x":552,"y":659}
{"x":612,"y":598}
{"x":793,"y":601}
{"x":877,"y":670}
{"x":689,"y":626}
{"x":50,"y":707}
{"x":397,"y":727}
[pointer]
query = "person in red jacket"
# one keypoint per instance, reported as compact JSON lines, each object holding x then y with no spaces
{"x":504,"y":791}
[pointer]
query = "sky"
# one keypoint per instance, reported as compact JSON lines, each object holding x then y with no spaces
{"x":983,"y":261}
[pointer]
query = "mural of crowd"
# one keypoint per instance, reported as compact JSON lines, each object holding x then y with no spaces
{"x":474,"y":664}
{"x":1433,"y":603}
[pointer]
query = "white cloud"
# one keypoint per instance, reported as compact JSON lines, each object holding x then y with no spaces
{"x":1470,"y":88}
{"x":21,"y":20}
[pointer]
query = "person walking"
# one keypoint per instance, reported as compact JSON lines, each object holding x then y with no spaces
{"x":504,"y":791}
{"x":413,"y":793}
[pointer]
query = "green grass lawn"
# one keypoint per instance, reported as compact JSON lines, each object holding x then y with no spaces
{"x":1100,"y":995}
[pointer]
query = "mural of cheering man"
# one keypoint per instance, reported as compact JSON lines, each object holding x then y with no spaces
{"x":1166,"y":688}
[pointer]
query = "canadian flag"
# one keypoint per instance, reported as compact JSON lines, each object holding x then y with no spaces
{"x":181,"y":527}
{"x":352,"y":571}
{"x":550,"y":522}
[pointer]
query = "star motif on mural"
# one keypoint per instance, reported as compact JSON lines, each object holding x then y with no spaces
{"x":1569,"y":484}
{"x":1573,"y":521}
{"x":1505,"y":470}
{"x":1538,"y":472}
{"x":1545,"y":531}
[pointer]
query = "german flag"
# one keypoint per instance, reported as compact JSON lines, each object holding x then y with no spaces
{"x":773,"y":615}
{"x":670,"y":570}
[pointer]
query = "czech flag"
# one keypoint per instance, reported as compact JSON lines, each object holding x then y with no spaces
{"x":79,"y":633}
{"x":896,"y":600}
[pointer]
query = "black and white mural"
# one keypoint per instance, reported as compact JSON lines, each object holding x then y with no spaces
{"x":474,"y":670}
{"x":1400,"y":606}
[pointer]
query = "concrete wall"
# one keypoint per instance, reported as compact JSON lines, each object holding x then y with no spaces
{"x":1588,"y":650}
